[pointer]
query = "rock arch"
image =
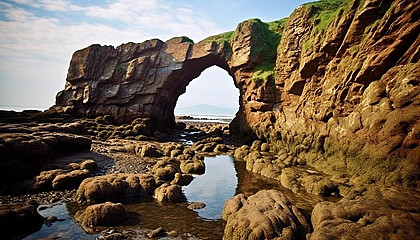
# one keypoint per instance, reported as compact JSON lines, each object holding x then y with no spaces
{"x":136,"y":80}
{"x":144,"y":80}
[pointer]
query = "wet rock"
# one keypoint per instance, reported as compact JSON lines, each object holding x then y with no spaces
{"x":241,"y":152}
{"x":112,"y":236}
{"x":268,"y":214}
{"x":18,"y":220}
{"x":70,"y":180}
{"x":182,"y":179}
{"x":44,"y":180}
{"x":115,"y":187}
{"x":24,"y":154}
{"x":196,"y":205}
{"x":363,"y":218}
{"x":104,"y":214}
{"x":193,"y":166}
{"x":165,"y":170}
{"x":221,"y":148}
{"x":89,"y":165}
{"x":158,"y":232}
{"x":301,"y":180}
{"x":173,"y":233}
{"x":265,"y":147}
{"x":169,"y":193}
{"x":150,"y":151}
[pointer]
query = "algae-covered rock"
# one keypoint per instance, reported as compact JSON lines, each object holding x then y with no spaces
{"x":268,"y":214}
{"x":103,"y":214}
{"x":169,"y":193}
{"x":364,"y":218}
{"x":115,"y":187}
{"x":195,"y":166}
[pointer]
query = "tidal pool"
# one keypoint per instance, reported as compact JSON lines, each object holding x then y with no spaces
{"x":213,"y":188}
{"x":224,"y":178}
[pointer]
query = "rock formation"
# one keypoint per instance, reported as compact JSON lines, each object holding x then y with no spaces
{"x":266,"y":215}
{"x":341,"y":94}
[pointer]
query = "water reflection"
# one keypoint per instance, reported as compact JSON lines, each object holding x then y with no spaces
{"x":64,"y":228}
{"x":223,"y":179}
{"x":214,"y":187}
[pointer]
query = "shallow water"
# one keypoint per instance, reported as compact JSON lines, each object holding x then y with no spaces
{"x":214,"y":187}
{"x":64,"y":228}
{"x":223,"y":179}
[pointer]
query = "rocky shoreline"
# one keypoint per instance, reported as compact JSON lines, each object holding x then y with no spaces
{"x":123,"y":169}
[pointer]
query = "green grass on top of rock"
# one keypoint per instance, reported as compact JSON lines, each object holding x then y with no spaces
{"x":325,"y":11}
{"x":267,"y":41}
{"x":223,"y":37}
{"x":187,"y":39}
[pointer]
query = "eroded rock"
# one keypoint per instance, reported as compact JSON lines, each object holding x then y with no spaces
{"x":169,"y":193}
{"x":104,"y":214}
{"x":268,"y":214}
{"x":115,"y":187}
{"x":18,"y":220}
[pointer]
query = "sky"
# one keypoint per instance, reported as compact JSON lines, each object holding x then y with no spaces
{"x":38,"y":38}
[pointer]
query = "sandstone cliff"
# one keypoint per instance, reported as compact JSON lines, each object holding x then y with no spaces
{"x":348,"y":83}
{"x":341,"y":93}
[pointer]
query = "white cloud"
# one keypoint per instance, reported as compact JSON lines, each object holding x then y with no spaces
{"x":37,"y":48}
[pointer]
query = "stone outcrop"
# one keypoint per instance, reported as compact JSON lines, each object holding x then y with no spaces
{"x":394,"y":215}
{"x":268,"y":214}
{"x":25,"y":148}
{"x":19,"y":216}
{"x":103,"y":214}
{"x":349,"y":94}
{"x":117,"y":187}
{"x":340,"y":95}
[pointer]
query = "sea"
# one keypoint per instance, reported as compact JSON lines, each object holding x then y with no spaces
{"x":213,"y":118}
{"x":20,"y":108}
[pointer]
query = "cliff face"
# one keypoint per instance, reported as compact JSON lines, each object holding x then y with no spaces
{"x":348,"y":90}
{"x":341,"y":95}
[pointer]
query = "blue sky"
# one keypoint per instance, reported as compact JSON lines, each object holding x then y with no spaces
{"x":38,"y":37}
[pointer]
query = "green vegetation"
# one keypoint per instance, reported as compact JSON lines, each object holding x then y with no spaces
{"x":187,"y":39}
{"x":325,"y":11}
{"x":263,"y":73}
{"x":308,"y":44}
{"x":220,"y":38}
{"x":354,"y":49}
{"x":119,"y":69}
{"x":265,"y":49}
{"x":322,"y":15}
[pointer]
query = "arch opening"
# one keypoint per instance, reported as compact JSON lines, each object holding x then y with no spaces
{"x":212,"y":95}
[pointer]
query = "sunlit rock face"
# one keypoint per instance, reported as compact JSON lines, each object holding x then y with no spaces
{"x":132,"y":81}
{"x":345,"y":86}
{"x":144,"y":80}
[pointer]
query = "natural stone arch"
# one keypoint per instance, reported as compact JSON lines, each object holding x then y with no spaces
{"x":203,"y":56}
{"x":144,"y":80}
{"x":136,"y":80}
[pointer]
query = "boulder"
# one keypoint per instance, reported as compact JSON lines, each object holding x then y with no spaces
{"x":70,"y":180}
{"x":195,"y":166}
{"x":165,"y":170}
{"x":89,"y":165}
{"x":364,"y":218}
{"x":169,"y":193}
{"x":115,"y":187}
{"x":18,"y":220}
{"x":268,"y":214}
{"x":104,"y":214}
{"x":241,"y":152}
{"x":182,"y":179}
{"x":44,"y":180}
